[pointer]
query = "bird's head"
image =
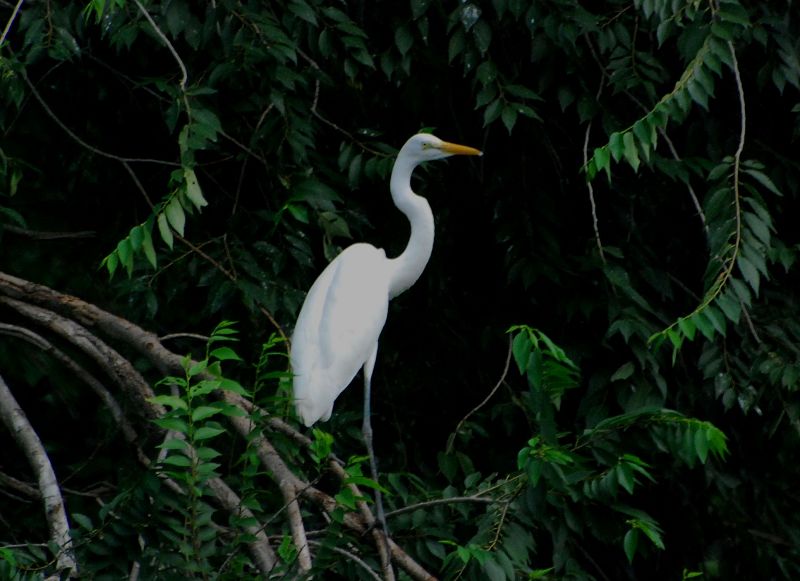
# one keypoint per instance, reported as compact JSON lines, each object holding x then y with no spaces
{"x":427,"y":147}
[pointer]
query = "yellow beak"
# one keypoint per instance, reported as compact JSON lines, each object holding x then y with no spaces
{"x":456,"y":149}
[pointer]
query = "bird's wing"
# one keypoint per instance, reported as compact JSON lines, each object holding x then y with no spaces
{"x":338,"y":327}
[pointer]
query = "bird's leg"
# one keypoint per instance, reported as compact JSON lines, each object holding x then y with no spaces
{"x":366,"y":429}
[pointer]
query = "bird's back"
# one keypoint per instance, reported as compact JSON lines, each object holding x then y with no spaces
{"x":338,"y":327}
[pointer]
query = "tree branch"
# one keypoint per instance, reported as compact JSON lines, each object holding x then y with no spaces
{"x":17,"y":423}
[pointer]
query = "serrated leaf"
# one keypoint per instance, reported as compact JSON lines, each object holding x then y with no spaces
{"x":303,"y":11}
{"x":625,"y":477}
{"x":730,"y":305}
{"x":715,"y":318}
{"x":698,"y":93}
{"x":687,"y":327}
{"x":764,"y":180}
{"x":749,"y":273}
{"x":616,"y":146}
{"x":136,"y":235}
{"x":705,"y":326}
{"x":602,"y":159}
{"x":630,"y":151}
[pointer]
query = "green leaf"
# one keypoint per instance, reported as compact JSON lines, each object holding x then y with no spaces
{"x":625,"y":477}
{"x":687,"y":327}
{"x":164,"y":229}
{"x":403,"y":39}
{"x":303,"y":11}
{"x":125,"y":254}
{"x":616,"y":146}
{"x":509,"y":117}
{"x":483,"y":36}
{"x":174,"y":444}
{"x":175,"y":215}
{"x":178,"y":460}
{"x":629,"y":543}
{"x":701,"y":445}
{"x":730,"y":306}
{"x":225,"y":354}
{"x":206,"y":432}
{"x":170,"y":401}
{"x":193,"y":191}
{"x":202,"y":412}
{"x":602,"y":158}
{"x":749,"y":272}
{"x":492,"y":112}
{"x":174,"y":424}
{"x":630,"y":151}
{"x":624,"y":372}
{"x":764,"y":180}
{"x":147,"y":245}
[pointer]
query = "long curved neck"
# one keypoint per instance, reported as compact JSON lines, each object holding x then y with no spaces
{"x":407,"y":268}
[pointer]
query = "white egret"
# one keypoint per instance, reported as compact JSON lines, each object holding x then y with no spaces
{"x":344,"y":312}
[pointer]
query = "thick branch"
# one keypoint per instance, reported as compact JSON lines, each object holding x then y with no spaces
{"x":17,"y":423}
{"x":262,"y":552}
{"x":117,"y":367}
{"x":107,"y":398}
{"x":166,"y":361}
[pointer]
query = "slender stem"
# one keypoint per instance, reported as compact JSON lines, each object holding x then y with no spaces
{"x":10,"y":21}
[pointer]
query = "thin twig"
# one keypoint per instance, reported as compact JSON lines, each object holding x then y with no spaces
{"x":454,"y":500}
{"x":165,"y":40}
{"x":451,"y":439}
{"x":10,"y":21}
{"x":39,"y":235}
{"x":80,"y":141}
{"x":357,"y":560}
{"x":197,"y":336}
{"x":595,"y":224}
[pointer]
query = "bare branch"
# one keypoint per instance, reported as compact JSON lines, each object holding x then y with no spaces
{"x":10,"y":21}
{"x":436,"y":501}
{"x":500,"y":381}
{"x":38,"y":235}
{"x":17,"y":423}
{"x":165,"y":40}
{"x":77,"y":139}
{"x":347,"y":554}
{"x":113,"y":406}
{"x":117,"y":366}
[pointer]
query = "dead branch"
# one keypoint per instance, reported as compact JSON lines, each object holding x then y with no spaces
{"x":28,"y":440}
{"x":115,"y":365}
{"x":106,"y":397}
{"x":292,"y":488}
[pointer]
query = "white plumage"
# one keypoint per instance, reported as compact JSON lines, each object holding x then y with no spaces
{"x":344,"y":312}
